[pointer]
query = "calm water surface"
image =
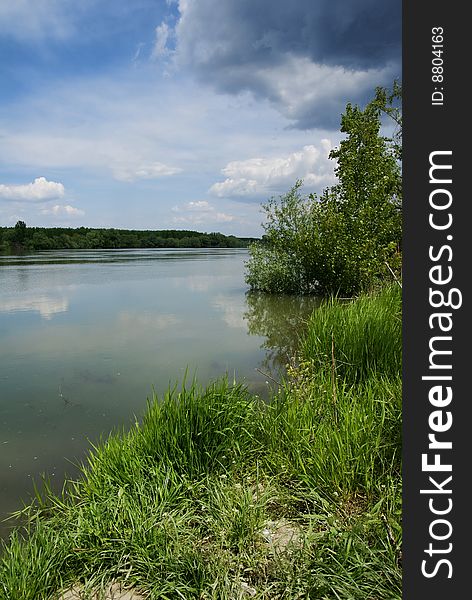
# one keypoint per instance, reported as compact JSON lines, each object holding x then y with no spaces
{"x":86,"y":336}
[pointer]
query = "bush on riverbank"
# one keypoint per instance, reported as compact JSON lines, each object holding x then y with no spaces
{"x":216,"y":494}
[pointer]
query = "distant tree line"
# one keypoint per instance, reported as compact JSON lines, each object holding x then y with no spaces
{"x":21,"y":238}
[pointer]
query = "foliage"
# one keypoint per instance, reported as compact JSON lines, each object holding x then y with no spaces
{"x":348,"y":238}
{"x":27,"y":239}
{"x":277,"y":270}
{"x":180,"y":505}
{"x":389,"y":103}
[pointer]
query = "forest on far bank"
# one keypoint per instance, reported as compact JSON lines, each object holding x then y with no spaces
{"x":21,"y":238}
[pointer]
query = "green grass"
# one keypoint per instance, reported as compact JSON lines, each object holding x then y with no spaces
{"x":181,"y":505}
{"x":365,"y":335}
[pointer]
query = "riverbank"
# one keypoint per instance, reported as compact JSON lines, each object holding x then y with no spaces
{"x":215,"y":494}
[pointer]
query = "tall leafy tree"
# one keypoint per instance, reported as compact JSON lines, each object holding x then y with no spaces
{"x":348,"y":238}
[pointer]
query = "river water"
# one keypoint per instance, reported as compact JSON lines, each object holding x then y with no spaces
{"x":87,"y":336}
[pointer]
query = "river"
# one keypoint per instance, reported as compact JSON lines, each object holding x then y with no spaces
{"x":87,"y":336}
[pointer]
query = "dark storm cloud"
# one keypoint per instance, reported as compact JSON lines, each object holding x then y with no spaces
{"x":308,"y":57}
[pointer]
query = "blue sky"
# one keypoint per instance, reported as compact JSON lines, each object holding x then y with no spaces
{"x":157,"y":114}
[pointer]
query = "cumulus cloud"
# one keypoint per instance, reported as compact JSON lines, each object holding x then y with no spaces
{"x":63,"y":210}
{"x":200,"y":212}
{"x":197,"y":206}
{"x":249,"y":179}
{"x":314,"y":95}
{"x":268,"y":47}
{"x":147,"y":171}
{"x":39,"y":190}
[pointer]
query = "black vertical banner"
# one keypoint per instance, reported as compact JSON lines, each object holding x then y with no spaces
{"x":437,"y":416}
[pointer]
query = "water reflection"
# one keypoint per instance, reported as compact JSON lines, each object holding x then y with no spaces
{"x":232,"y":310}
{"x":46,"y":306}
{"x":147,"y":321}
{"x":281,"y":320}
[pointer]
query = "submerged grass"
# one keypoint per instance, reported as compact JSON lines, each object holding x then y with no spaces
{"x":216,"y":495}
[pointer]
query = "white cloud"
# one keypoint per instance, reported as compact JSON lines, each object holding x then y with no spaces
{"x":136,"y":134}
{"x":63,"y":210}
{"x":201,"y":219}
{"x":39,"y":190}
{"x":221,"y":217}
{"x":147,"y":171}
{"x":125,"y":153}
{"x":200,"y":212}
{"x":131,"y":131}
{"x":307,"y":93}
{"x":163,"y":33}
{"x":235,"y":187}
{"x":258,"y":176}
{"x":199,"y":205}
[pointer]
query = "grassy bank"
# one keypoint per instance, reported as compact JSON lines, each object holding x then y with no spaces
{"x":215,"y":494}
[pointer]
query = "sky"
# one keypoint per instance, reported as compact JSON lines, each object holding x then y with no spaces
{"x":179,"y":114}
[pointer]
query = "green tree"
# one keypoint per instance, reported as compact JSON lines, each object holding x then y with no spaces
{"x":20,"y":230}
{"x":348,"y":238}
{"x":19,"y":236}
